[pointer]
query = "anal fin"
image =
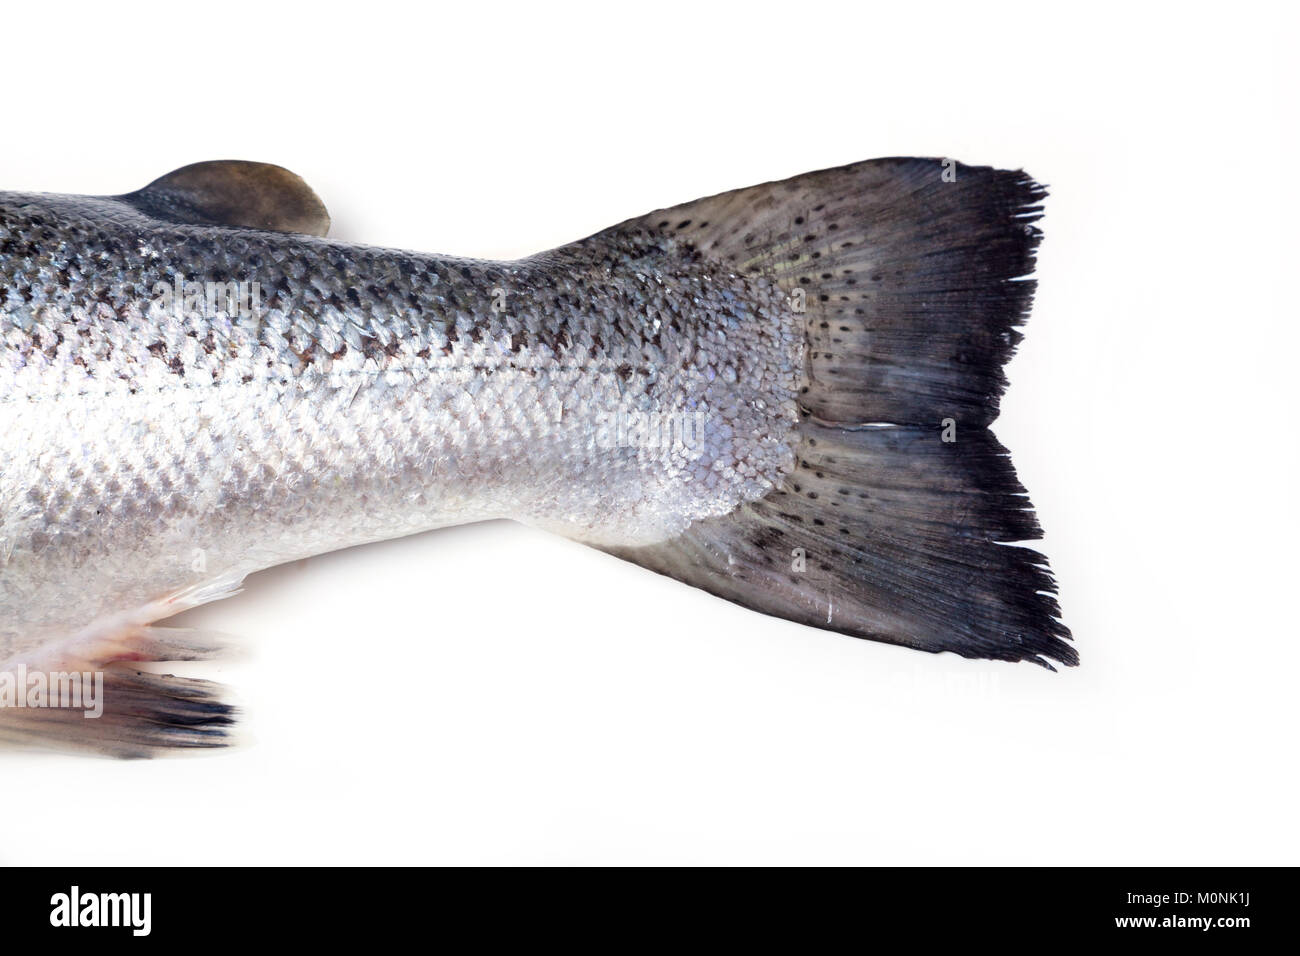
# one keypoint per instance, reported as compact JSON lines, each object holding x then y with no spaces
{"x":93,"y":692}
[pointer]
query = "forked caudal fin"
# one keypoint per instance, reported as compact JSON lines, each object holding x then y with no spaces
{"x":898,"y":520}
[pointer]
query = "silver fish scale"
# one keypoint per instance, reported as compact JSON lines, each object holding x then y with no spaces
{"x":371,"y":394}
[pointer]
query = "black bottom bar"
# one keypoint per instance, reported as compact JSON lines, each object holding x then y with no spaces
{"x":1178,"y":906}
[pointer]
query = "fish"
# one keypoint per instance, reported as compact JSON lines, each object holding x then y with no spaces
{"x":780,"y":394}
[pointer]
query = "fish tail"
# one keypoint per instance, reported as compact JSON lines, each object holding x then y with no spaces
{"x":901,"y":517}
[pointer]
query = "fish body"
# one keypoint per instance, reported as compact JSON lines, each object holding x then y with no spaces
{"x":371,"y":394}
{"x":194,"y":388}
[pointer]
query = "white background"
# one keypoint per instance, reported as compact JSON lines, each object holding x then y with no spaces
{"x":491,"y":694}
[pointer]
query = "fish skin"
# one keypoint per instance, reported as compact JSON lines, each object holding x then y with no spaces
{"x":375,"y":393}
{"x":836,"y":341}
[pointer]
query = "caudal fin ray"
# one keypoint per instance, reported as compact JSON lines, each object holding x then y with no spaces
{"x":909,"y":278}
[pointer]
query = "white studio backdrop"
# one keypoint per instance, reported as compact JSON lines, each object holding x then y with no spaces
{"x":492,"y":694}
